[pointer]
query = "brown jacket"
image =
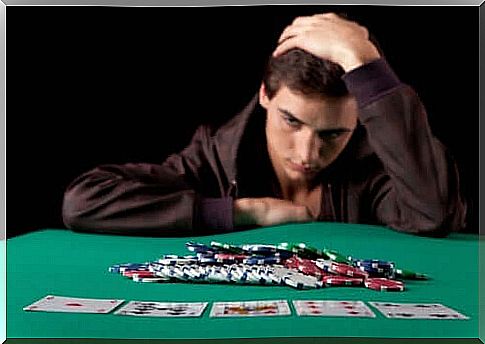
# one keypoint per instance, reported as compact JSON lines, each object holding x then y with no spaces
{"x":393,"y":172}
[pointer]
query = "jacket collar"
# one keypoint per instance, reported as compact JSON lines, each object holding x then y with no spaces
{"x":228,"y":138}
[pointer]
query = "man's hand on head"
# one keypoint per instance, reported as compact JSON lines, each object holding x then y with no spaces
{"x":329,"y":37}
{"x":269,"y":212}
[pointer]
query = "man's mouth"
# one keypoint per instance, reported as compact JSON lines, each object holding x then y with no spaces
{"x":305,"y":169}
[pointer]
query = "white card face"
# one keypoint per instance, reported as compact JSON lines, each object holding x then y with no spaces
{"x":162,"y":309}
{"x":52,"y":303}
{"x":333,"y":308}
{"x":250,"y":308}
{"x":417,"y":311}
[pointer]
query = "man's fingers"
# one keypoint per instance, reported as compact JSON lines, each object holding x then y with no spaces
{"x":289,"y":43}
{"x":291,"y":31}
{"x":304,"y":20}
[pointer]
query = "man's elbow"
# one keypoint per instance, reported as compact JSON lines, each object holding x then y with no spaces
{"x":438,"y":226}
{"x":73,"y":213}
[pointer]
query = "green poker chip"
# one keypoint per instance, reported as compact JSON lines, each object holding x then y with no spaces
{"x":336,"y":257}
{"x":303,"y":250}
{"x":408,"y":274}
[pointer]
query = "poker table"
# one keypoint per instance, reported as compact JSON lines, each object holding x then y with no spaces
{"x":66,"y":263}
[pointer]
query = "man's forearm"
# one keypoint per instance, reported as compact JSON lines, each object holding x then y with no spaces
{"x":417,"y":164}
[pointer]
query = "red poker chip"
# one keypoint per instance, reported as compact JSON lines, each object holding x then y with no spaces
{"x":292,"y":263}
{"x":312,"y":270}
{"x":347,"y":270}
{"x":341,"y":280}
{"x":384,"y":284}
{"x":230,"y":257}
{"x":308,"y":267}
{"x":131,"y":273}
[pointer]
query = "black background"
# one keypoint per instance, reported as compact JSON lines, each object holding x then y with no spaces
{"x":93,"y":85}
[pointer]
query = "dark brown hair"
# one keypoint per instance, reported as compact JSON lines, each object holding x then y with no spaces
{"x":303,"y":72}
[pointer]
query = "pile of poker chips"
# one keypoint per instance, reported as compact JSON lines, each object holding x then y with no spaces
{"x":296,"y":265}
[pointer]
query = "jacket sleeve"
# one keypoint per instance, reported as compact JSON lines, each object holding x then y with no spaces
{"x":419,"y":192}
{"x":150,"y":199}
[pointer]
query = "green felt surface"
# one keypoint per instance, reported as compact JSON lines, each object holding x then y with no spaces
{"x":60,"y":262}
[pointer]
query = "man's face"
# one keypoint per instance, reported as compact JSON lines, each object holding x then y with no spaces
{"x":305,"y":134}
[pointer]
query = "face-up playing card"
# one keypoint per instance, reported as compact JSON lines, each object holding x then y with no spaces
{"x":416,"y":311}
{"x":250,"y":308}
{"x":162,"y":309}
{"x":52,"y":303}
{"x":333,"y":308}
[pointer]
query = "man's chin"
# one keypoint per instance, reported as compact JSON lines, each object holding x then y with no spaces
{"x":299,"y":176}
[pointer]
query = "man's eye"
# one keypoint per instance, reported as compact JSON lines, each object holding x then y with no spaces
{"x":292,"y":122}
{"x":329,"y":136}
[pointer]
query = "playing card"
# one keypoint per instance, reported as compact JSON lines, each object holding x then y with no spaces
{"x":162,"y":309}
{"x":333,"y":308}
{"x":250,"y":308}
{"x":52,"y":303}
{"x":417,"y":311}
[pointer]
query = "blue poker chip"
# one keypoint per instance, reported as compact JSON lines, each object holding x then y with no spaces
{"x":283,"y":254}
{"x":377,"y":272}
{"x":207,"y":260}
{"x":260,"y":250}
{"x":374,"y":263}
{"x":261,"y":260}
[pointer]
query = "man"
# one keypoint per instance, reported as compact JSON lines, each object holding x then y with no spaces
{"x":335,"y":137}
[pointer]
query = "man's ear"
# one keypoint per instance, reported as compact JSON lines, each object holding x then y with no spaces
{"x":263,"y":97}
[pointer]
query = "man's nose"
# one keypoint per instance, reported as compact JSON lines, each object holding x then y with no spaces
{"x":308,"y":147}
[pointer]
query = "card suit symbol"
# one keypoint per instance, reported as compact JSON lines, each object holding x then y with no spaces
{"x":407,"y":315}
{"x":101,"y":310}
{"x":440,"y":315}
{"x":73,"y":304}
{"x":49,"y":297}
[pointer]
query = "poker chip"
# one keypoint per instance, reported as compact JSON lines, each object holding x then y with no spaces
{"x":347,"y":270}
{"x":341,"y":281}
{"x":260,"y":250}
{"x":140,"y":273}
{"x":260,"y":260}
{"x":326,"y":265}
{"x":377,"y":272}
{"x":305,"y":266}
{"x":302,"y":250}
{"x":383,"y":284}
{"x":301,"y":281}
{"x":150,"y":279}
{"x":291,"y":263}
{"x":228,"y":258}
{"x":336,"y":256}
{"x":174,"y":260}
{"x":227,"y":247}
{"x":119,"y":268}
{"x":408,"y":274}
{"x":197,"y":247}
